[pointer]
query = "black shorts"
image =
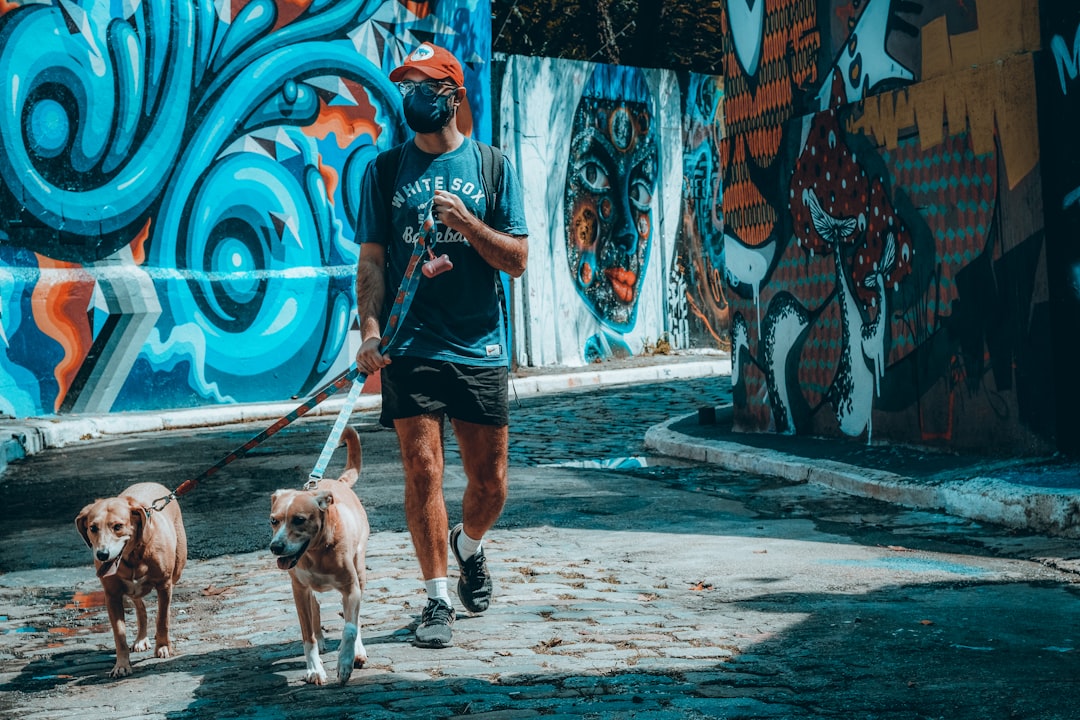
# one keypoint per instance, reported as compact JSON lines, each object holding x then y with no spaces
{"x":415,"y":386}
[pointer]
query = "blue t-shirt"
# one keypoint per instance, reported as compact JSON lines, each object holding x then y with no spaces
{"x":455,"y":316}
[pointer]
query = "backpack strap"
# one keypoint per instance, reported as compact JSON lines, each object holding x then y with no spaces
{"x":387,"y":164}
{"x":491,"y":172}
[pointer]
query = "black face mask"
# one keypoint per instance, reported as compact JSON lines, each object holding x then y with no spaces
{"x":426,"y":114}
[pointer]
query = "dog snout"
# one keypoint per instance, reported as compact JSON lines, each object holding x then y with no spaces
{"x":102,"y":555}
{"x":277,"y":547}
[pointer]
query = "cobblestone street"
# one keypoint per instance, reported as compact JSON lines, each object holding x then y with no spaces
{"x":645,"y":589}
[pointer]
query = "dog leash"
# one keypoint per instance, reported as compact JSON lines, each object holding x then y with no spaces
{"x":406,"y":292}
{"x":411,"y":280}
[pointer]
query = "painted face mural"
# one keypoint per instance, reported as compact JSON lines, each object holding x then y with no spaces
{"x":608,"y":203}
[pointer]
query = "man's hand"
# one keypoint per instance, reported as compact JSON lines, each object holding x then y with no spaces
{"x":508,"y":253}
{"x":368,"y":358}
{"x":448,"y":209}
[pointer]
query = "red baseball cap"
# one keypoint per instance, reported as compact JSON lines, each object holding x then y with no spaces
{"x":435,"y":62}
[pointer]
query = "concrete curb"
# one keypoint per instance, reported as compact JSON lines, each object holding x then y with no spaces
{"x":22,"y":438}
{"x":546,"y":384}
{"x":984,"y":499}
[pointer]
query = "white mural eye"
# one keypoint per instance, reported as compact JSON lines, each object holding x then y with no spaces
{"x":641,"y":195}
{"x":594,"y":177}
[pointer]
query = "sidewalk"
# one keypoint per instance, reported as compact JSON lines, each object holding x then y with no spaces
{"x":1040,"y":495}
{"x":24,"y":437}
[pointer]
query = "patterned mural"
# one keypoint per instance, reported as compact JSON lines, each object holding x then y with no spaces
{"x":178,"y":187}
{"x":700,"y":313}
{"x":883,"y":246}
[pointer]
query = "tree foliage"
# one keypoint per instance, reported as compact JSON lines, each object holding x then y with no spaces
{"x":643,"y":33}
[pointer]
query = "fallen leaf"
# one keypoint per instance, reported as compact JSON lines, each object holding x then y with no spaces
{"x":701,"y":585}
{"x":211,"y":591}
{"x":926,"y":622}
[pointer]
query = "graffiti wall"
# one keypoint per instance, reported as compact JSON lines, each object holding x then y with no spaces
{"x":178,"y":187}
{"x":1058,"y":82}
{"x":699,"y":311}
{"x":884,"y":242}
{"x":855,"y":207}
{"x":599,"y":149}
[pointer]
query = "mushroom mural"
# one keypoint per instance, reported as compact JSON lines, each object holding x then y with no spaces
{"x":840,"y":210}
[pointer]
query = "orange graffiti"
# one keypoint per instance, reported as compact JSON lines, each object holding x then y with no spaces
{"x":330,"y":179}
{"x":347,"y":122}
{"x":420,"y":8}
{"x":289,"y":10}
{"x":60,"y":312}
{"x":138,"y":245}
{"x":756,"y":109}
{"x":622,"y":283}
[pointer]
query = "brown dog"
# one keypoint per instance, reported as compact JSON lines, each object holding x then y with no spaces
{"x":320,"y":537}
{"x":136,"y":550}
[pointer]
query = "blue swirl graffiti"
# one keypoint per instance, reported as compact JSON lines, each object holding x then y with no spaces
{"x":91,"y":122}
{"x":109,"y":122}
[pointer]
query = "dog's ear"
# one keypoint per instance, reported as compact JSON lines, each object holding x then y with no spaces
{"x":81,"y":523}
{"x":324,"y":499}
{"x":139,"y":518}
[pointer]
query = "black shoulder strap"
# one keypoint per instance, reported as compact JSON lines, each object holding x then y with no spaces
{"x":386,"y":168}
{"x":491,"y":170}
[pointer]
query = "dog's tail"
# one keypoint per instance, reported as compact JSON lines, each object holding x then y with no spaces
{"x":354,"y":457}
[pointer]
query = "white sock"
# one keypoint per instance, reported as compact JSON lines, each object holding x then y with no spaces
{"x":437,"y":590}
{"x":466,"y":546}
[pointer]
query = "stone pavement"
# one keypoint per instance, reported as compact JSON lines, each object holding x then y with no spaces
{"x":564,"y":637}
{"x":722,"y":614}
{"x":701,"y":601}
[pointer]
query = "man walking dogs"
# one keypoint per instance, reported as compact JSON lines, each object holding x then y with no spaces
{"x":450,"y":357}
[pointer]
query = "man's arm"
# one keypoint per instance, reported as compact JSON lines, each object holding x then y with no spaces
{"x":370,"y":291}
{"x":508,"y":253}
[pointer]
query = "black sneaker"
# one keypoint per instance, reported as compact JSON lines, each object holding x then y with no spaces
{"x":474,"y":587}
{"x":435,"y":628}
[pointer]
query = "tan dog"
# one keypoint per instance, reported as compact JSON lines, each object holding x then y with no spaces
{"x":135,"y":551}
{"x":320,"y":537}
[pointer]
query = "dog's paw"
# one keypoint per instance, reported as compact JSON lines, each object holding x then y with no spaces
{"x":345,"y":667}
{"x":315,"y":677}
{"x":163,"y":651}
{"x":344,"y":672}
{"x":120,"y":669}
{"x":141,"y":645}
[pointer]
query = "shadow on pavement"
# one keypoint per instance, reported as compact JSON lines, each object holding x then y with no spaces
{"x":961,"y":650}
